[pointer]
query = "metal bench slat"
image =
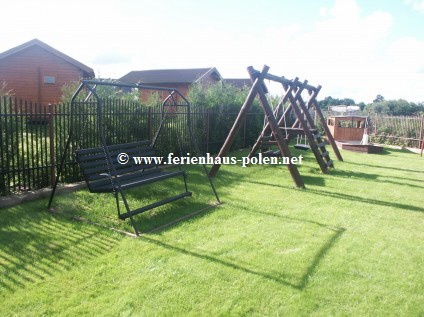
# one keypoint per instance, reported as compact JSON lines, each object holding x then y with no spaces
{"x":97,"y":177}
{"x":119,"y":168}
{"x":137,"y":181}
{"x":154,"y":205}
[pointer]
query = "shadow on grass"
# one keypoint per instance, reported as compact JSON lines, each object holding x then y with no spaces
{"x":163,"y":217}
{"x":353,"y":198}
{"x":374,"y":178}
{"x":313,"y":180}
{"x":367,"y":200}
{"x":187,"y":208}
{"x":386,"y":167}
{"x":279,"y":277}
{"x":393,"y":151}
{"x":35,"y":246}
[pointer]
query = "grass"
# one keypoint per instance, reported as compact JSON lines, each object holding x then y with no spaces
{"x":351,"y":244}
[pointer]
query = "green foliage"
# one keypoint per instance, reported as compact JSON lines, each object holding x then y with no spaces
{"x":219,"y":96}
{"x":330,"y":101}
{"x":399,"y":107}
{"x":103,"y":91}
{"x":362,"y":105}
{"x":224,"y":101}
{"x":379,"y":98}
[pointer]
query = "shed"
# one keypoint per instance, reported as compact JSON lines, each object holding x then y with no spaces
{"x":347,"y":128}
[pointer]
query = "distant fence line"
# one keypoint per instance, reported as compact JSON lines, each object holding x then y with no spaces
{"x":392,"y":130}
{"x":397,"y":130}
{"x":32,"y":137}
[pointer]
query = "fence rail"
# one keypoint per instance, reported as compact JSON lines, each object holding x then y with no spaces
{"x":397,"y":130}
{"x":33,"y":137}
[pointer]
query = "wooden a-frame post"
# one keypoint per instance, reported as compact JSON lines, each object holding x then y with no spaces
{"x":237,"y":124}
{"x":259,"y":89}
{"x":327,"y":131}
{"x":266,"y":129}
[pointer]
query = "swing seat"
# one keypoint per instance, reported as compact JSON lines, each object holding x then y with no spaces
{"x":100,"y":178}
{"x":271,"y":153}
{"x":301,"y":146}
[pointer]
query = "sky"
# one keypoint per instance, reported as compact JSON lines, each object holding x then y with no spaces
{"x":353,"y":48}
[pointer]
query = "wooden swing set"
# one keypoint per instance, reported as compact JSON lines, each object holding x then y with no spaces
{"x":275,"y":130}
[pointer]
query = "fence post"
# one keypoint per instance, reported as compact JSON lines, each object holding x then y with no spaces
{"x":421,"y":133}
{"x":51,"y":134}
{"x":207,"y":131}
{"x":2,"y":171}
{"x":244,"y":131}
{"x":149,"y":123}
{"x":375,"y":126}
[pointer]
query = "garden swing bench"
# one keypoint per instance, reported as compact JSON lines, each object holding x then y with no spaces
{"x":103,"y":168}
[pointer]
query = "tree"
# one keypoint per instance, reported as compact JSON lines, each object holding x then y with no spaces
{"x":399,"y":107}
{"x":330,"y":101}
{"x":379,"y":98}
{"x":103,"y":91}
{"x":347,"y":102}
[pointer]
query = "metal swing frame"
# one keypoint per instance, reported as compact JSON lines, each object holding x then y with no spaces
{"x":113,"y":175}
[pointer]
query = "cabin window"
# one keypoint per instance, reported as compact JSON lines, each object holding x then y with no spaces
{"x":345,"y":124}
{"x":351,"y":124}
{"x":330,"y":121}
{"x":49,"y":80}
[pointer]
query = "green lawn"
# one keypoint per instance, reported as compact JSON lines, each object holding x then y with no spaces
{"x":349,"y":245}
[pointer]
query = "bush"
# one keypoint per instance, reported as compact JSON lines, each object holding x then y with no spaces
{"x":224,"y":101}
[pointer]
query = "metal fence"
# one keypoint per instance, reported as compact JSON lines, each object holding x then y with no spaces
{"x":32,"y":137}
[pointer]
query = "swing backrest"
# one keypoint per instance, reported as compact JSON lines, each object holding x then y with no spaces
{"x":96,"y":166}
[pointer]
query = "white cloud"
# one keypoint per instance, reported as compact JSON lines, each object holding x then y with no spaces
{"x":323,"y":11}
{"x":340,"y":52}
{"x":407,"y":54}
{"x":350,"y":55}
{"x":346,"y":51}
{"x":417,"y":5}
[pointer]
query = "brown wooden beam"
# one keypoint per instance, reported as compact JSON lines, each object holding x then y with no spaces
{"x":327,"y":131}
{"x":266,"y":129}
{"x":239,"y":120}
{"x":300,"y":110}
{"x":276,"y":132}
